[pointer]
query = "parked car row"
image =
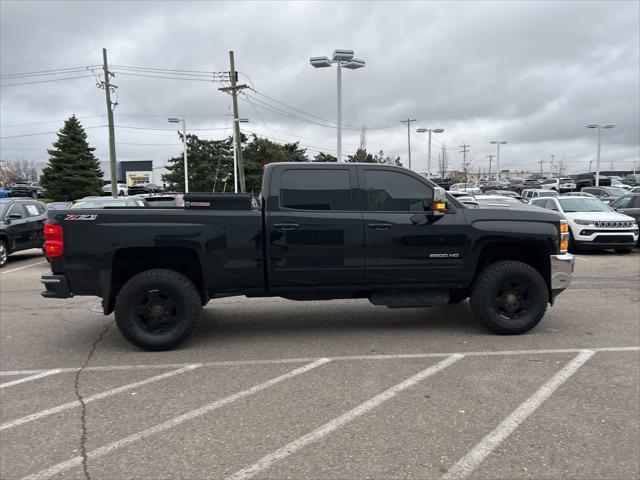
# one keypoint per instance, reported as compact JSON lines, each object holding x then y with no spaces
{"x":593,"y":224}
{"x":22,"y":219}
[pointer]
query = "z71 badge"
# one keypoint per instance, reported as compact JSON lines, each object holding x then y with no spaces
{"x":81,"y":217}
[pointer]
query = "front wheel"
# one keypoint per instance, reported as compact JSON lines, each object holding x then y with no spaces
{"x":158,"y":309}
{"x":509,"y":297}
{"x":4,"y":253}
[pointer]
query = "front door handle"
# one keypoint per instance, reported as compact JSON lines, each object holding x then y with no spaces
{"x":380,"y":226}
{"x":285,"y":226}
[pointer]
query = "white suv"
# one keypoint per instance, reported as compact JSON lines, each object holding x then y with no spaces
{"x":559,"y":184}
{"x":592,"y":224}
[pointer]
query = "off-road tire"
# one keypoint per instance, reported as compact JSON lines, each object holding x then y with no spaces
{"x":489,"y":287}
{"x":134,"y":297}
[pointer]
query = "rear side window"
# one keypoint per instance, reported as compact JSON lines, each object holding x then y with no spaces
{"x":624,"y":202}
{"x":315,"y":189}
{"x":391,"y":191}
{"x":33,"y":209}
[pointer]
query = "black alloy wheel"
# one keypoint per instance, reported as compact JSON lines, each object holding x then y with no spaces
{"x":158,"y":309}
{"x":509,"y":297}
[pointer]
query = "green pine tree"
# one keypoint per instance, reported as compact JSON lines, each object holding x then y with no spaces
{"x":209,"y":163}
{"x":73,"y":171}
{"x":259,"y":152}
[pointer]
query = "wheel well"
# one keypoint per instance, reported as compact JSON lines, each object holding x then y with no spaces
{"x":535,"y":254}
{"x":128,"y":262}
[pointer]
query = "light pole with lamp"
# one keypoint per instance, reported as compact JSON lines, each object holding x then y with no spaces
{"x":429,"y":130}
{"x":184,"y":143}
{"x":599,"y":127}
{"x":343,"y":59}
{"x":497,"y":143}
{"x":235,"y":153}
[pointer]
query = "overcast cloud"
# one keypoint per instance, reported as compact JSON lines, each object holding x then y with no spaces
{"x":531,"y":73}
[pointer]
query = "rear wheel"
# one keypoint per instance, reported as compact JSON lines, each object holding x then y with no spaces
{"x":4,"y":253}
{"x":509,"y":297}
{"x":158,"y":309}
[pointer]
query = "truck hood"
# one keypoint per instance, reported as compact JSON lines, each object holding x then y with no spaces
{"x":515,"y":213}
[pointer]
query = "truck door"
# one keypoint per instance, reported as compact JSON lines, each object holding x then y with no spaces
{"x":315,"y":234}
{"x":404,"y":243}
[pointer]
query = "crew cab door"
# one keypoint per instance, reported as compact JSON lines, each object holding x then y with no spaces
{"x":405,"y":243}
{"x":315,"y":234}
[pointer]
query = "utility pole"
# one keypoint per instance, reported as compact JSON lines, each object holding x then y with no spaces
{"x":551,"y":167}
{"x":236,"y":125}
{"x":540,"y":162}
{"x":465,"y":166}
{"x":408,"y":122}
{"x":443,"y":164}
{"x":108,"y":88}
{"x":490,"y":160}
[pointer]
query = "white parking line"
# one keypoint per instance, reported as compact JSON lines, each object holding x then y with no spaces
{"x":18,"y":381}
{"x":22,"y":268}
{"x":476,"y":456}
{"x":345,"y":358}
{"x":268,"y":460}
{"x":97,"y":396}
{"x":174,"y":422}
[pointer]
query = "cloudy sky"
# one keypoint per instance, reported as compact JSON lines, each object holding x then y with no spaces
{"x":530,"y":73}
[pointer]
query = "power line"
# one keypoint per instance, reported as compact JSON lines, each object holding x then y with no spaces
{"x":44,"y":81}
{"x":44,"y":123}
{"x":47,"y":72}
{"x":164,"y":77}
{"x":169,"y":70}
{"x":43,"y":133}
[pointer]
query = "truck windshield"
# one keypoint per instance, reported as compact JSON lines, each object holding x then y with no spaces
{"x":582,"y":204}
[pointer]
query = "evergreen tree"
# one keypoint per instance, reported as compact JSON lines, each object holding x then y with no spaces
{"x":324,"y":157}
{"x":260,"y":152}
{"x":361,"y":156}
{"x":209,"y":163}
{"x":73,"y":171}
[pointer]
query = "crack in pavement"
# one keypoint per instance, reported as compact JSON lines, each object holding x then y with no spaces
{"x":83,"y":406}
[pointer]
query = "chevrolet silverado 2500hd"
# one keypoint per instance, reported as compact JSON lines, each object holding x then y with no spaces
{"x":317,"y":231}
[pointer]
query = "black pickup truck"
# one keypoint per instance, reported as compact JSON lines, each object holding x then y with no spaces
{"x":317,"y":231}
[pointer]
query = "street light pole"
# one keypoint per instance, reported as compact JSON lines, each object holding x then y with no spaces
{"x":184,"y":151}
{"x":343,"y":59}
{"x":497,"y":143}
{"x":339,"y":68}
{"x":599,"y":127}
{"x":430,"y":131}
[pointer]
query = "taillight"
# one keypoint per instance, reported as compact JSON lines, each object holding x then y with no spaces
{"x":53,"y":240}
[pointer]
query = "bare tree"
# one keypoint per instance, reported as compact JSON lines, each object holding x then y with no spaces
{"x":443,"y":163}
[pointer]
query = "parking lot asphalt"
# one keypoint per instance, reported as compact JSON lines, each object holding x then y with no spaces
{"x":271,"y":388}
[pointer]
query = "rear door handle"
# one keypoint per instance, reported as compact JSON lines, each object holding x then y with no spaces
{"x":285,"y":226}
{"x":380,"y":226}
